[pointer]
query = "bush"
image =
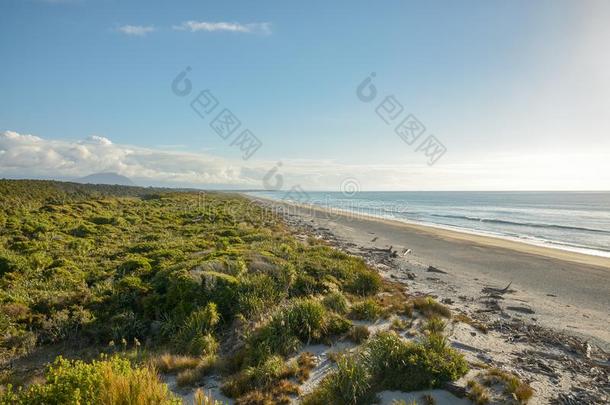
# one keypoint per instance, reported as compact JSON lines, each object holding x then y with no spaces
{"x":262,"y":376}
{"x":429,"y":307}
{"x":195,"y":337}
{"x":257,"y":293}
{"x":136,"y":265}
{"x":336,"y":325}
{"x":407,"y":366}
{"x":364,"y":282}
{"x":367,"y":310}
{"x":302,"y":320}
{"x":358,"y":334}
{"x":112,"y":381}
{"x":192,"y":376}
{"x":434,"y":325}
{"x":306,"y":318}
{"x":169,"y":363}
{"x":349,"y":384}
{"x":336,"y":301}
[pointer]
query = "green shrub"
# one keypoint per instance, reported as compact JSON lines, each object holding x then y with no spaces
{"x":223,"y":289}
{"x":302,"y":320}
{"x":83,"y":231}
{"x":106,"y":381}
{"x":364,"y":282}
{"x":336,"y":325}
{"x":359,"y":333}
{"x":336,"y":301}
{"x":367,"y":310}
{"x":257,"y":293}
{"x":434,"y":325}
{"x":430,"y":307}
{"x":194,"y":337}
{"x":349,"y":384}
{"x":135,"y":265}
{"x":407,"y":366}
{"x":306,"y":319}
{"x":261,"y":376}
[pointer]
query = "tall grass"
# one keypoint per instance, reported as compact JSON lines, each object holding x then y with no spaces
{"x":108,"y":381}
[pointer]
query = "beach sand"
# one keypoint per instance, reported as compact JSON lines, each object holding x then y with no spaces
{"x":563,"y":290}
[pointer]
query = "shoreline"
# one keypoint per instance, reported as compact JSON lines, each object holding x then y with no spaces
{"x":561,"y":290}
{"x":481,"y":238}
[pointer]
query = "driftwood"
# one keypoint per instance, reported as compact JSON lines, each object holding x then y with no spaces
{"x":433,"y":269}
{"x":499,"y":291}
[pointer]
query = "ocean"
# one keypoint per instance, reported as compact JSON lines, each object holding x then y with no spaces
{"x":575,"y":221}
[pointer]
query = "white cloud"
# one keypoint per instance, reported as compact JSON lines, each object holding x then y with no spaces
{"x":30,"y":156}
{"x":252,"y":28}
{"x":136,"y":30}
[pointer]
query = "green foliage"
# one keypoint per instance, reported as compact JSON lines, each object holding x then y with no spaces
{"x":359,"y":333}
{"x":303,"y":320}
{"x":349,"y":384}
{"x":261,"y":376}
{"x":364,"y":282}
{"x":387,"y":362}
{"x":406,"y":366}
{"x":430,"y":307}
{"x":367,"y":310}
{"x":195,"y":336}
{"x":108,"y":380}
{"x":172,"y":269}
{"x":336,"y":301}
{"x":135,"y":265}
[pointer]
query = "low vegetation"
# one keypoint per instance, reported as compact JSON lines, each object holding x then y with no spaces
{"x":513,"y":385}
{"x":111,"y":381}
{"x":388,"y":362}
{"x":194,"y":283}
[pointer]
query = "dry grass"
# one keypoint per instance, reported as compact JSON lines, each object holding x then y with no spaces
{"x":170,"y":363}
{"x":140,"y":387}
{"x":358,"y":334}
{"x":305,"y":362}
{"x":202,"y":398}
{"x":279,"y":393}
{"x":513,"y":385}
{"x":399,"y":324}
{"x":477,"y":393}
{"x":190,"y":376}
{"x":434,"y":324}
{"x":393,"y":297}
{"x":467,"y":320}
{"x":429,"y":307}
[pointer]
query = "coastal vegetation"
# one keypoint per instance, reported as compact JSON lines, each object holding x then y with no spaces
{"x":153,"y":282}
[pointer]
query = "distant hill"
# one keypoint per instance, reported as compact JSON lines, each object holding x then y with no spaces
{"x":106,"y":178}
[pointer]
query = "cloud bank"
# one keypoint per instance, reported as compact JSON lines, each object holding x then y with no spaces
{"x":30,"y":156}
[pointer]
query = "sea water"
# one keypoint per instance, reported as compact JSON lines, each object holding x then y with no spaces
{"x":576,"y":221}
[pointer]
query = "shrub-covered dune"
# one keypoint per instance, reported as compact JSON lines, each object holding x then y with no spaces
{"x":197,"y":283}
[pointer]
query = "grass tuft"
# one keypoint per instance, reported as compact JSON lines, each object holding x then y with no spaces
{"x":429,"y":307}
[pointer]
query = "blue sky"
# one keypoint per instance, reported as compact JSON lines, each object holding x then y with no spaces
{"x":517,"y":92}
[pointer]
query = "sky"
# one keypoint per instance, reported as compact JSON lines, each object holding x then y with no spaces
{"x":493,"y":95}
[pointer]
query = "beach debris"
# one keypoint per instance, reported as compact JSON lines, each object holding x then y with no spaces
{"x":374,"y":239}
{"x":406,"y":251}
{"x":498,"y":291}
{"x":523,"y":310}
{"x":432,"y":269}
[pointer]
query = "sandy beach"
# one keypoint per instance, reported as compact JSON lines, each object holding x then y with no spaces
{"x":564,"y":290}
